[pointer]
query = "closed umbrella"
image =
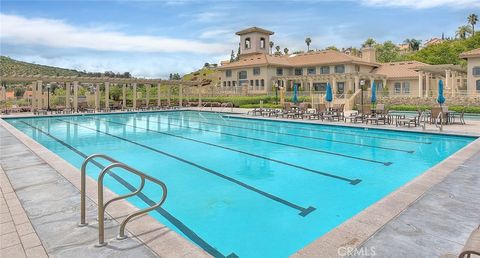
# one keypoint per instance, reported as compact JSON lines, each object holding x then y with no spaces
{"x":295,"y":92}
{"x":329,"y":94}
{"x":440,"y":98}
{"x":374,"y":94}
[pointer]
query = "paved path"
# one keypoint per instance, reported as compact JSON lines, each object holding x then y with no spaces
{"x":51,"y":204}
{"x":439,"y":223}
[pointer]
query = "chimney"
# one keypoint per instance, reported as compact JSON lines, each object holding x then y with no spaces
{"x":369,"y":54}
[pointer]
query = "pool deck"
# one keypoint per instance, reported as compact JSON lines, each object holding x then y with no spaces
{"x":430,"y":216}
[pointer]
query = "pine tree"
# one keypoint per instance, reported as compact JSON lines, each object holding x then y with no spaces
{"x":232,"y":57}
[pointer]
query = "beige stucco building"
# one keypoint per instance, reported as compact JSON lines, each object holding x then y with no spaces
{"x":257,"y":71}
{"x":473,"y":70}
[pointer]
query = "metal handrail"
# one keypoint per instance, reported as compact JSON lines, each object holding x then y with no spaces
{"x":102,"y":206}
{"x":422,"y":118}
{"x":439,"y":117}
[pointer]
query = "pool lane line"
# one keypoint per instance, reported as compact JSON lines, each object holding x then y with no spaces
{"x":172,"y":219}
{"x":309,"y":137}
{"x":303,"y":211}
{"x":235,"y":119}
{"x":279,"y":143}
{"x":350,"y":181}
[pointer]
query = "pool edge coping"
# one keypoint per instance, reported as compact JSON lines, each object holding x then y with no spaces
{"x":354,"y":232}
{"x":144,"y":228}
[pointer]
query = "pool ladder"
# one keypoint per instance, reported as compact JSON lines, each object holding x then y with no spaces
{"x":102,"y":206}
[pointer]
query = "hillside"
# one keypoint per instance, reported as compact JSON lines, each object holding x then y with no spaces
{"x":11,"y":66}
{"x":207,"y":76}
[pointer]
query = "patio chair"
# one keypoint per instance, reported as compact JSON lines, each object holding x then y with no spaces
{"x":472,"y":246}
{"x":459,"y":116}
{"x":437,"y":115}
{"x":408,"y":121}
{"x":378,"y":117}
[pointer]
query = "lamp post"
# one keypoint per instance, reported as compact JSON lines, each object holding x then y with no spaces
{"x":362,"y":83}
{"x":48,"y":97}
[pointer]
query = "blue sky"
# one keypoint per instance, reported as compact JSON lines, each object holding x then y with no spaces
{"x":155,"y":38}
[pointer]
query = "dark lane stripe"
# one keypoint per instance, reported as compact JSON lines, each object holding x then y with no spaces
{"x":304,"y":136}
{"x":172,"y":219}
{"x":279,"y":143}
{"x":236,"y":119}
{"x":351,"y":181}
{"x":303,"y":211}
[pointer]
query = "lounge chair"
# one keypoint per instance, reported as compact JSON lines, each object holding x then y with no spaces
{"x":378,"y":117}
{"x":472,"y":246}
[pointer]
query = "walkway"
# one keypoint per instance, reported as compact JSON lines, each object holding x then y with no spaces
{"x":439,"y":223}
{"x":51,"y":203}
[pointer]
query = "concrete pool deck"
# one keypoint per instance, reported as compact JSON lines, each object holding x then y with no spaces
{"x":393,"y":223}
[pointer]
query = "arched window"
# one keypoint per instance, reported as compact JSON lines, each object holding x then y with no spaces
{"x":224,"y":83}
{"x":262,"y":83}
{"x":229,"y":83}
{"x":247,"y":43}
{"x":262,"y":42}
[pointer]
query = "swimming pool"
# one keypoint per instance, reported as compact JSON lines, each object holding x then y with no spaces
{"x":251,"y":188}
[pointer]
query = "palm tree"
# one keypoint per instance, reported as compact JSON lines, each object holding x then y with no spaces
{"x":271,"y":47}
{"x":286,"y":51}
{"x":278,"y":50}
{"x":472,"y":19}
{"x":369,"y":43}
{"x":463,"y":31}
{"x":413,"y":44}
{"x":308,"y":41}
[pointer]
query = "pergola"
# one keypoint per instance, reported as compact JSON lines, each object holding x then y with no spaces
{"x":38,"y":82}
{"x":450,"y":73}
{"x":349,"y":78}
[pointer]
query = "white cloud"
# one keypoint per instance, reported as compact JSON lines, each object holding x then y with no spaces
{"x":424,"y":4}
{"x":56,"y":33}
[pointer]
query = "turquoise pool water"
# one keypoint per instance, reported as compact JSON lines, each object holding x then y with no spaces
{"x":248,"y":188}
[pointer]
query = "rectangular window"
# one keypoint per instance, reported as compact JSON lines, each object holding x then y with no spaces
{"x":406,"y":87}
{"x":340,"y":69}
{"x":251,"y":82}
{"x":262,"y":83}
{"x":242,"y":75}
{"x":311,"y":70}
{"x":256,"y":71}
{"x":298,"y":71}
{"x":325,"y":70}
{"x":340,"y":87}
{"x":476,"y":71}
{"x":234,"y":83}
{"x":224,"y":84}
{"x":229,"y":84}
{"x":357,"y":68}
{"x":279,"y":71}
{"x":228,"y":73}
{"x":397,"y":87}
{"x":322,"y":86}
{"x":256,"y":83}
{"x":478,"y":85}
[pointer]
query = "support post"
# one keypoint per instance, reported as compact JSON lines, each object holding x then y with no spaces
{"x":427,"y":85}
{"x":134,"y":95}
{"x":147,"y":94}
{"x":40,"y":94}
{"x":420,"y":84}
{"x":199,"y":95}
{"x":34,"y":96}
{"x":97,"y":97}
{"x":180,"y":95}
{"x":67,"y":95}
{"x":124,"y":96}
{"x":169,"y":95}
{"x":107,"y":95}
{"x":75,"y":96}
{"x":159,"y":96}
{"x":356,"y":86}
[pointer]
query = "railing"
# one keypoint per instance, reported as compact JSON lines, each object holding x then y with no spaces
{"x":102,"y":206}
{"x":439,"y":118}
{"x":422,"y":118}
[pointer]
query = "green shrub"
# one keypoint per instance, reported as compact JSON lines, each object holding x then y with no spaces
{"x":475,"y":109}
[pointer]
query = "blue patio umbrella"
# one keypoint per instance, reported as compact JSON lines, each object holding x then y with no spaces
{"x":440,"y":98}
{"x":295,"y":93}
{"x":329,"y":94}
{"x":374,"y":93}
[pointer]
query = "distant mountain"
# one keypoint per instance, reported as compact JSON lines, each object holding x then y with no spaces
{"x":12,"y":66}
